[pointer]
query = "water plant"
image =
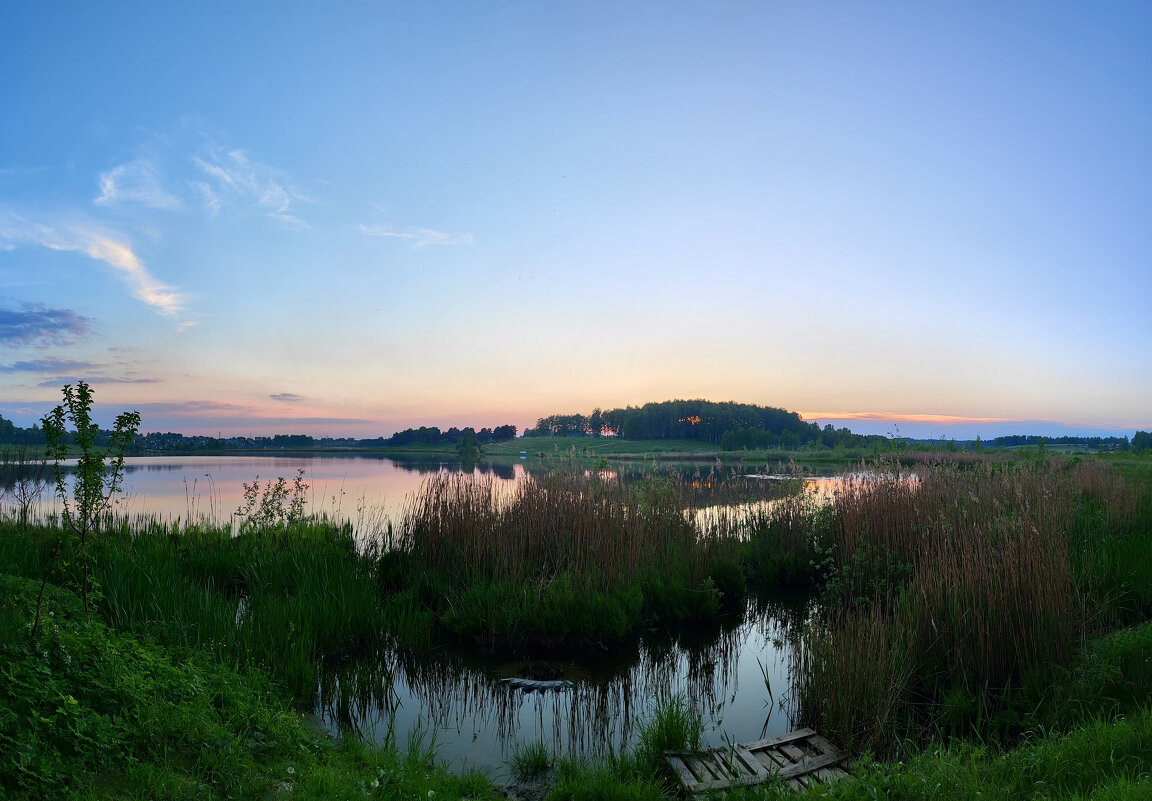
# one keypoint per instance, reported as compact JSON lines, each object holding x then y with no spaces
{"x":23,"y":478}
{"x":97,"y":476}
{"x":946,"y":593}
{"x":567,"y":558}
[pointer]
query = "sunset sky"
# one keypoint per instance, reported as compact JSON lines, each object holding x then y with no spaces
{"x":346,"y":219}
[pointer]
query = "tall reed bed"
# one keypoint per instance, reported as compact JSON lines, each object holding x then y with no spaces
{"x":284,"y":598}
{"x":569,"y":557}
{"x":946,"y":589}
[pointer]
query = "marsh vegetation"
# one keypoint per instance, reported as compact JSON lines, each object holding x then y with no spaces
{"x":968,"y":601}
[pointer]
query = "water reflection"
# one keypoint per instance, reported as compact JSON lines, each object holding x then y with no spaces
{"x":734,"y":673}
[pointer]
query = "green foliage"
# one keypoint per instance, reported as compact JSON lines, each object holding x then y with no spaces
{"x":674,"y":725}
{"x":468,"y":447}
{"x":569,"y":559}
{"x":23,"y":478}
{"x":274,"y":505}
{"x":88,"y":712}
{"x":530,"y":760}
{"x":98,"y":473}
{"x":948,"y":598}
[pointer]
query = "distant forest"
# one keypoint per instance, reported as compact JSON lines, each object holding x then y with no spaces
{"x":730,"y":426}
{"x":1140,"y":442}
{"x":170,"y":442}
{"x":737,"y":426}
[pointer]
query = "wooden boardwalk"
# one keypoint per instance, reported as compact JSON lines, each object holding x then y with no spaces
{"x":801,"y":758}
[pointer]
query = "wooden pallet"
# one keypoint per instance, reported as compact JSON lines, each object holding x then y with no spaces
{"x":801,"y":758}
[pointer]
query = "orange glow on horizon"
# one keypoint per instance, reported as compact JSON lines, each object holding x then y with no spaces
{"x":902,"y":417}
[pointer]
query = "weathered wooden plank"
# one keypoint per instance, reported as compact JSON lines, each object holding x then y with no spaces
{"x":725,"y":784}
{"x":791,"y":736}
{"x":824,"y":774}
{"x":822,"y":744}
{"x":750,"y":762}
{"x":793,"y":752}
{"x":681,"y":770}
{"x":800,"y":759}
{"x":699,"y":765}
{"x":773,"y":760}
{"x":718,"y":765}
{"x":808,"y":764}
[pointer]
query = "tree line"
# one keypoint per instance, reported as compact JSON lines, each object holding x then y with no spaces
{"x":739,"y":426}
{"x":1100,"y":443}
{"x":431,"y":435}
{"x":172,"y":442}
{"x":730,"y":425}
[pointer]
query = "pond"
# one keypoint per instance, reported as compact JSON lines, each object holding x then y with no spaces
{"x":734,"y":673}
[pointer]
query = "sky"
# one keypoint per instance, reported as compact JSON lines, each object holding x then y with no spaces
{"x":346,"y":219}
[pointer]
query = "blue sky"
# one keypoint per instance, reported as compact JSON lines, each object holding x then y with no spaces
{"x":349,"y":218}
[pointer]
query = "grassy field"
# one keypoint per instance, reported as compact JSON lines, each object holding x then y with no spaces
{"x":985,"y":630}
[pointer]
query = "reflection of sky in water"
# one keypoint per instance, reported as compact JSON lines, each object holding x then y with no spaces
{"x":365,"y":490}
{"x":476,"y":719}
{"x":479,"y":721}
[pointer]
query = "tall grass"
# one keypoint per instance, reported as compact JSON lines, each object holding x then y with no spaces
{"x":948,"y":589}
{"x":283,"y":599}
{"x":566,"y":558}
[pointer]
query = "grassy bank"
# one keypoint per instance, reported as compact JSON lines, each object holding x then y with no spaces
{"x":950,"y":598}
{"x":985,"y":630}
{"x":90,"y":712}
{"x":568,"y":559}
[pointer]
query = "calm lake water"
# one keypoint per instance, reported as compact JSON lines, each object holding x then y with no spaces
{"x":457,"y":696}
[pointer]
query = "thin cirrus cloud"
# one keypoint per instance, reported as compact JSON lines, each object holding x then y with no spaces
{"x":136,"y":182}
{"x":60,"y":380}
{"x":39,"y":326}
{"x":286,"y":397}
{"x":419,"y":237}
{"x":50,"y":365}
{"x":233,"y":177}
{"x":902,"y":417}
{"x":101,"y":246}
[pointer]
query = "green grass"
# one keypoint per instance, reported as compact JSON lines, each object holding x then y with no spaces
{"x":567,"y":559}
{"x":531,"y":760}
{"x":282,"y":599}
{"x":950,"y":630}
{"x":92,"y":713}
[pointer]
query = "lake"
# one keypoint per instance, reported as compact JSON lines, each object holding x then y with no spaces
{"x":735,"y":673}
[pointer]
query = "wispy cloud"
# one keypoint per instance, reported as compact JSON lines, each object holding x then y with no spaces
{"x":208,"y":194}
{"x":418,"y":237}
{"x":135,"y":182}
{"x":49,"y":365}
{"x":902,"y":417}
{"x":35,"y":324}
{"x":103,"y":246}
{"x":286,"y":397}
{"x":235,"y":177}
{"x":60,"y":380}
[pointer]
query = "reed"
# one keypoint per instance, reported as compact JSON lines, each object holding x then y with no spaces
{"x":566,"y":558}
{"x":960,"y":583}
{"x":282,"y":599}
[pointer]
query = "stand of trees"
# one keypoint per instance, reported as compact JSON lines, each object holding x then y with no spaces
{"x":171,"y":442}
{"x":431,"y":435}
{"x":1100,"y":443}
{"x":732,"y":426}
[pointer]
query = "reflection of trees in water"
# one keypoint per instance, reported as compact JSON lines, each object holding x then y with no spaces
{"x":460,"y":693}
{"x":503,"y":470}
{"x":782,"y":622}
{"x":24,"y":477}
